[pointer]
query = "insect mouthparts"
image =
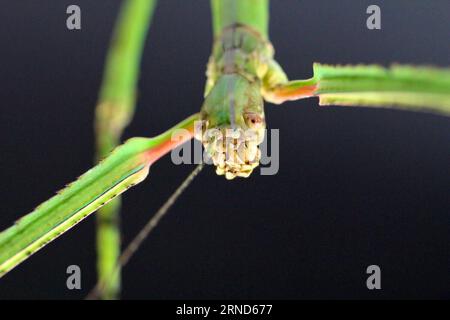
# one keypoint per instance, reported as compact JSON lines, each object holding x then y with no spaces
{"x":233,"y":151}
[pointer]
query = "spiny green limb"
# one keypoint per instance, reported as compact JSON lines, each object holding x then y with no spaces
{"x":125,"y":167}
{"x":412,"y":88}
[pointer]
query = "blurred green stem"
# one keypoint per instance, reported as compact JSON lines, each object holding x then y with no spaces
{"x":114,"y":111}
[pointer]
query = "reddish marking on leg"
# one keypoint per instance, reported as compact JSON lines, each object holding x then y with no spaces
{"x":285,"y":94}
{"x":156,"y":153}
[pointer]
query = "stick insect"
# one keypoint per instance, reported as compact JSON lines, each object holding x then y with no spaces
{"x":242,"y":73}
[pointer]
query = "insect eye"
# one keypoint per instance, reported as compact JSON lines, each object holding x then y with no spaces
{"x":253,"y":120}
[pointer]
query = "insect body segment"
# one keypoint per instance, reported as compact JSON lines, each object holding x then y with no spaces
{"x":233,"y":110}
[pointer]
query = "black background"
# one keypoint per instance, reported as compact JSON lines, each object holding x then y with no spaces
{"x":355,"y":187}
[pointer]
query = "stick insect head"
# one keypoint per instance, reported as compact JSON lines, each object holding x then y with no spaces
{"x":233,"y":125}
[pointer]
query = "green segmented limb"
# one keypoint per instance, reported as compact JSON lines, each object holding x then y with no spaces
{"x":412,"y":88}
{"x":114,"y":111}
{"x":125,"y":167}
{"x":405,"y":87}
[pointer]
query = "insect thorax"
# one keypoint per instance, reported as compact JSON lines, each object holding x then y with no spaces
{"x":241,"y":50}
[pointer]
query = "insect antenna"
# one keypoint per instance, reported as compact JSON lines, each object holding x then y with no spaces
{"x":137,"y":241}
